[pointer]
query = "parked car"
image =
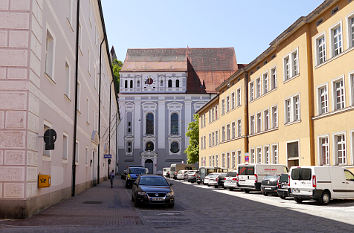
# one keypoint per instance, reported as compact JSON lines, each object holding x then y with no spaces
{"x":213,"y":179}
{"x":321,"y":183}
{"x":192,"y":176}
{"x":283,"y":186}
{"x":152,"y":189}
{"x":198,"y":178}
{"x":165,"y":171}
{"x":206,"y":178}
{"x":250,"y":176}
{"x":204,"y":171}
{"x":132,"y":175}
{"x":125,"y":171}
{"x":180,"y":174}
{"x":174,"y":168}
{"x":231,"y":180}
{"x":269,"y":185}
{"x":220,"y":179}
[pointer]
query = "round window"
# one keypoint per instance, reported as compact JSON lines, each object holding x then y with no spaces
{"x":174,"y":147}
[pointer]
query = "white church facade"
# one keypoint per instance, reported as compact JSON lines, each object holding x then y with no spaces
{"x":160,"y":90}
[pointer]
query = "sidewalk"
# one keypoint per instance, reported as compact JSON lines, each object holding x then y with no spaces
{"x":99,"y":209}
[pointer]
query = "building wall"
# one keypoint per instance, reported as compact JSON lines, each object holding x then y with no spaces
{"x":33,"y":97}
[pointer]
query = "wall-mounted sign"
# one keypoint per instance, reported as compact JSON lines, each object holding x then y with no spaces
{"x":44,"y":181}
{"x":107,"y":156}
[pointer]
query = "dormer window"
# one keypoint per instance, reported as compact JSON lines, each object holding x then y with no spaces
{"x":170,"y":83}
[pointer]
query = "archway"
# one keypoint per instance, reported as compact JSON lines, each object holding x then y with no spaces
{"x":149,"y":164}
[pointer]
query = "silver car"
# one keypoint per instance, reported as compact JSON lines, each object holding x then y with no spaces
{"x":231,"y":180}
{"x":212,"y":181}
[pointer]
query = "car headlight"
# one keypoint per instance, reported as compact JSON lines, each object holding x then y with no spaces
{"x":142,"y":193}
{"x":170,"y":194}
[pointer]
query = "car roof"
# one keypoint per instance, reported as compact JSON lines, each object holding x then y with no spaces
{"x":150,"y":175}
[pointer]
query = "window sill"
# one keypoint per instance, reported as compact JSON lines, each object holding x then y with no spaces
{"x":334,"y":58}
{"x":328,"y":114}
{"x":292,"y":122}
{"x":49,"y":78}
{"x":291,"y":78}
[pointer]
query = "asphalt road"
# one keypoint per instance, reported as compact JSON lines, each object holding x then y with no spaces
{"x":197,"y":209}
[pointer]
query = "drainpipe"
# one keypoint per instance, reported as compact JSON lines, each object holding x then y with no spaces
{"x":99,"y":116}
{"x":75,"y":107}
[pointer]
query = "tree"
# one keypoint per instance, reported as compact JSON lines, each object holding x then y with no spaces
{"x":117,"y":66}
{"x":192,"y":150}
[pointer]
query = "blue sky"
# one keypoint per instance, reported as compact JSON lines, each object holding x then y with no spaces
{"x":248,"y":26}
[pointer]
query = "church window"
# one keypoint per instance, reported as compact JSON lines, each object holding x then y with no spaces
{"x":138,"y":83}
{"x":170,"y":83}
{"x":131,"y":83}
{"x":174,"y":124}
{"x":174,"y":147}
{"x":177,"y":83}
{"x":149,"y":123}
{"x":161,"y":83}
{"x":126,"y":84}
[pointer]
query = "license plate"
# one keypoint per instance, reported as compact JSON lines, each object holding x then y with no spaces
{"x":267,"y":188}
{"x":157,"y":199}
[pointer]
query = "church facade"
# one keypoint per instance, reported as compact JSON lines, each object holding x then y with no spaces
{"x":160,"y":90}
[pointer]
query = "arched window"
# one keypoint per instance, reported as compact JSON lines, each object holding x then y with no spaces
{"x":131,"y":83}
{"x":138,"y":83}
{"x":170,"y":83}
{"x":149,"y":123}
{"x":174,"y":147}
{"x":177,"y":83}
{"x":126,"y":84}
{"x":149,"y":146}
{"x":174,"y":124}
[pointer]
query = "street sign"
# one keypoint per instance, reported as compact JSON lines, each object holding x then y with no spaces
{"x":107,"y":156}
{"x":247,"y":158}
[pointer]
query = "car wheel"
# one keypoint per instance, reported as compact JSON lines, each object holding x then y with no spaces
{"x":231,"y":189}
{"x":282,"y":196}
{"x":325,"y":198}
{"x":265,"y":193}
{"x":247,"y":191}
{"x":216,"y":186}
{"x":298,"y":200}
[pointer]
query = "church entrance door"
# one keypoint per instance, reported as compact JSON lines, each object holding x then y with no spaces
{"x":150,"y":166}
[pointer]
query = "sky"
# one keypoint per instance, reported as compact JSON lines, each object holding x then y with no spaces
{"x":247,"y":25}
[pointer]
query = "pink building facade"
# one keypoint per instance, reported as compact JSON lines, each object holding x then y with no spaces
{"x":37,"y":92}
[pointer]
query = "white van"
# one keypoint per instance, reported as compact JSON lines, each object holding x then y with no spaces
{"x":250,"y":176}
{"x":165,"y":171}
{"x":321,"y":183}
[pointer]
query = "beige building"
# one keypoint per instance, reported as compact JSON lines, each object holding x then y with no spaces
{"x":38,"y":73}
{"x":299,"y":101}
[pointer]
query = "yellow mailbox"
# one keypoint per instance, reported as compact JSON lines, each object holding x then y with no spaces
{"x":43,"y":181}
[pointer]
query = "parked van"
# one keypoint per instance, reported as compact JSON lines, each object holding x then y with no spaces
{"x":174,"y":168}
{"x":321,"y":183}
{"x":250,"y":176}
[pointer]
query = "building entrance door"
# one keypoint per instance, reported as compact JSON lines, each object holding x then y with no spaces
{"x":150,"y":166}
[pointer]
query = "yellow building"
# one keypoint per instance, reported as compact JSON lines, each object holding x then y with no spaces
{"x":298,"y":102}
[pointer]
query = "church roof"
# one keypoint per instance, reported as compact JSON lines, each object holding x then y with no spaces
{"x":207,"y":67}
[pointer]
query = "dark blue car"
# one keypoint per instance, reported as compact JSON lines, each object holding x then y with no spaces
{"x":132,"y":174}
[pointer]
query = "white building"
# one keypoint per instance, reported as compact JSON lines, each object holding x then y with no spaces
{"x":37,"y":92}
{"x":160,"y":90}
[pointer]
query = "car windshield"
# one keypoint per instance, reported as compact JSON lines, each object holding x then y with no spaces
{"x":153,"y":181}
{"x":271,"y":177}
{"x":284,"y":178}
{"x":231,"y":174}
{"x":137,"y":170}
{"x":301,"y":174}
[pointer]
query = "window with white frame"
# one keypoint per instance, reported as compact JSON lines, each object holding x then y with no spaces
{"x":338,"y":94}
{"x":351,"y":31}
{"x":336,"y":40}
{"x":324,"y":151}
{"x":204,"y":142}
{"x":216,"y":112}
{"x":228,"y":104}
{"x":67,"y":80}
{"x":49,"y":55}
{"x":252,"y":124}
{"x":233,"y":100}
{"x":238,"y":91}
{"x":352,"y":88}
{"x":216,"y":160}
{"x":259,"y":155}
{"x":274,"y":117}
{"x":210,"y":140}
{"x":322,"y":100}
{"x":295,"y":63}
{"x":216,"y":137}
{"x":65,"y":147}
{"x":213,"y":139}
{"x":266,"y":120}
{"x":266,"y":155}
{"x":258,"y":87}
{"x":292,"y":109}
{"x":259,"y":122}
{"x":210,"y":161}
{"x":212,"y":115}
{"x":252,"y":152}
{"x":321,"y":49}
{"x":209,"y":118}
{"x":228,"y":160}
{"x":233,"y":129}
{"x":228,"y":133}
{"x":223,"y":133}
{"x":273,"y":78}
{"x":340,"y":149}
{"x":239,"y":131}
{"x":251,"y":91}
{"x":265,"y":83}
{"x":233,"y":160}
{"x":201,"y":143}
{"x":296,"y":108}
{"x":286,"y":68}
{"x":287,"y":110}
{"x":223,"y":106}
{"x":275,"y":154}
{"x":239,"y":159}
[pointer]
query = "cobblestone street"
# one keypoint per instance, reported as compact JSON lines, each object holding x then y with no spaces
{"x":102,"y":209}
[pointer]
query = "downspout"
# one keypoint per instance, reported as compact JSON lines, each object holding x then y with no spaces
{"x":99,"y":115}
{"x":75,"y":107}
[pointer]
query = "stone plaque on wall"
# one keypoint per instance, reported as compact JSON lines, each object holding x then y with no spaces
{"x":14,"y":190}
{"x":14,"y":157}
{"x":12,"y":174}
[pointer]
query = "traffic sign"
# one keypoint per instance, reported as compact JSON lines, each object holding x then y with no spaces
{"x":107,"y":156}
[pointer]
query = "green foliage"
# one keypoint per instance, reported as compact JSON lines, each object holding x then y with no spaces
{"x":117,"y":66}
{"x":192,"y":150}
